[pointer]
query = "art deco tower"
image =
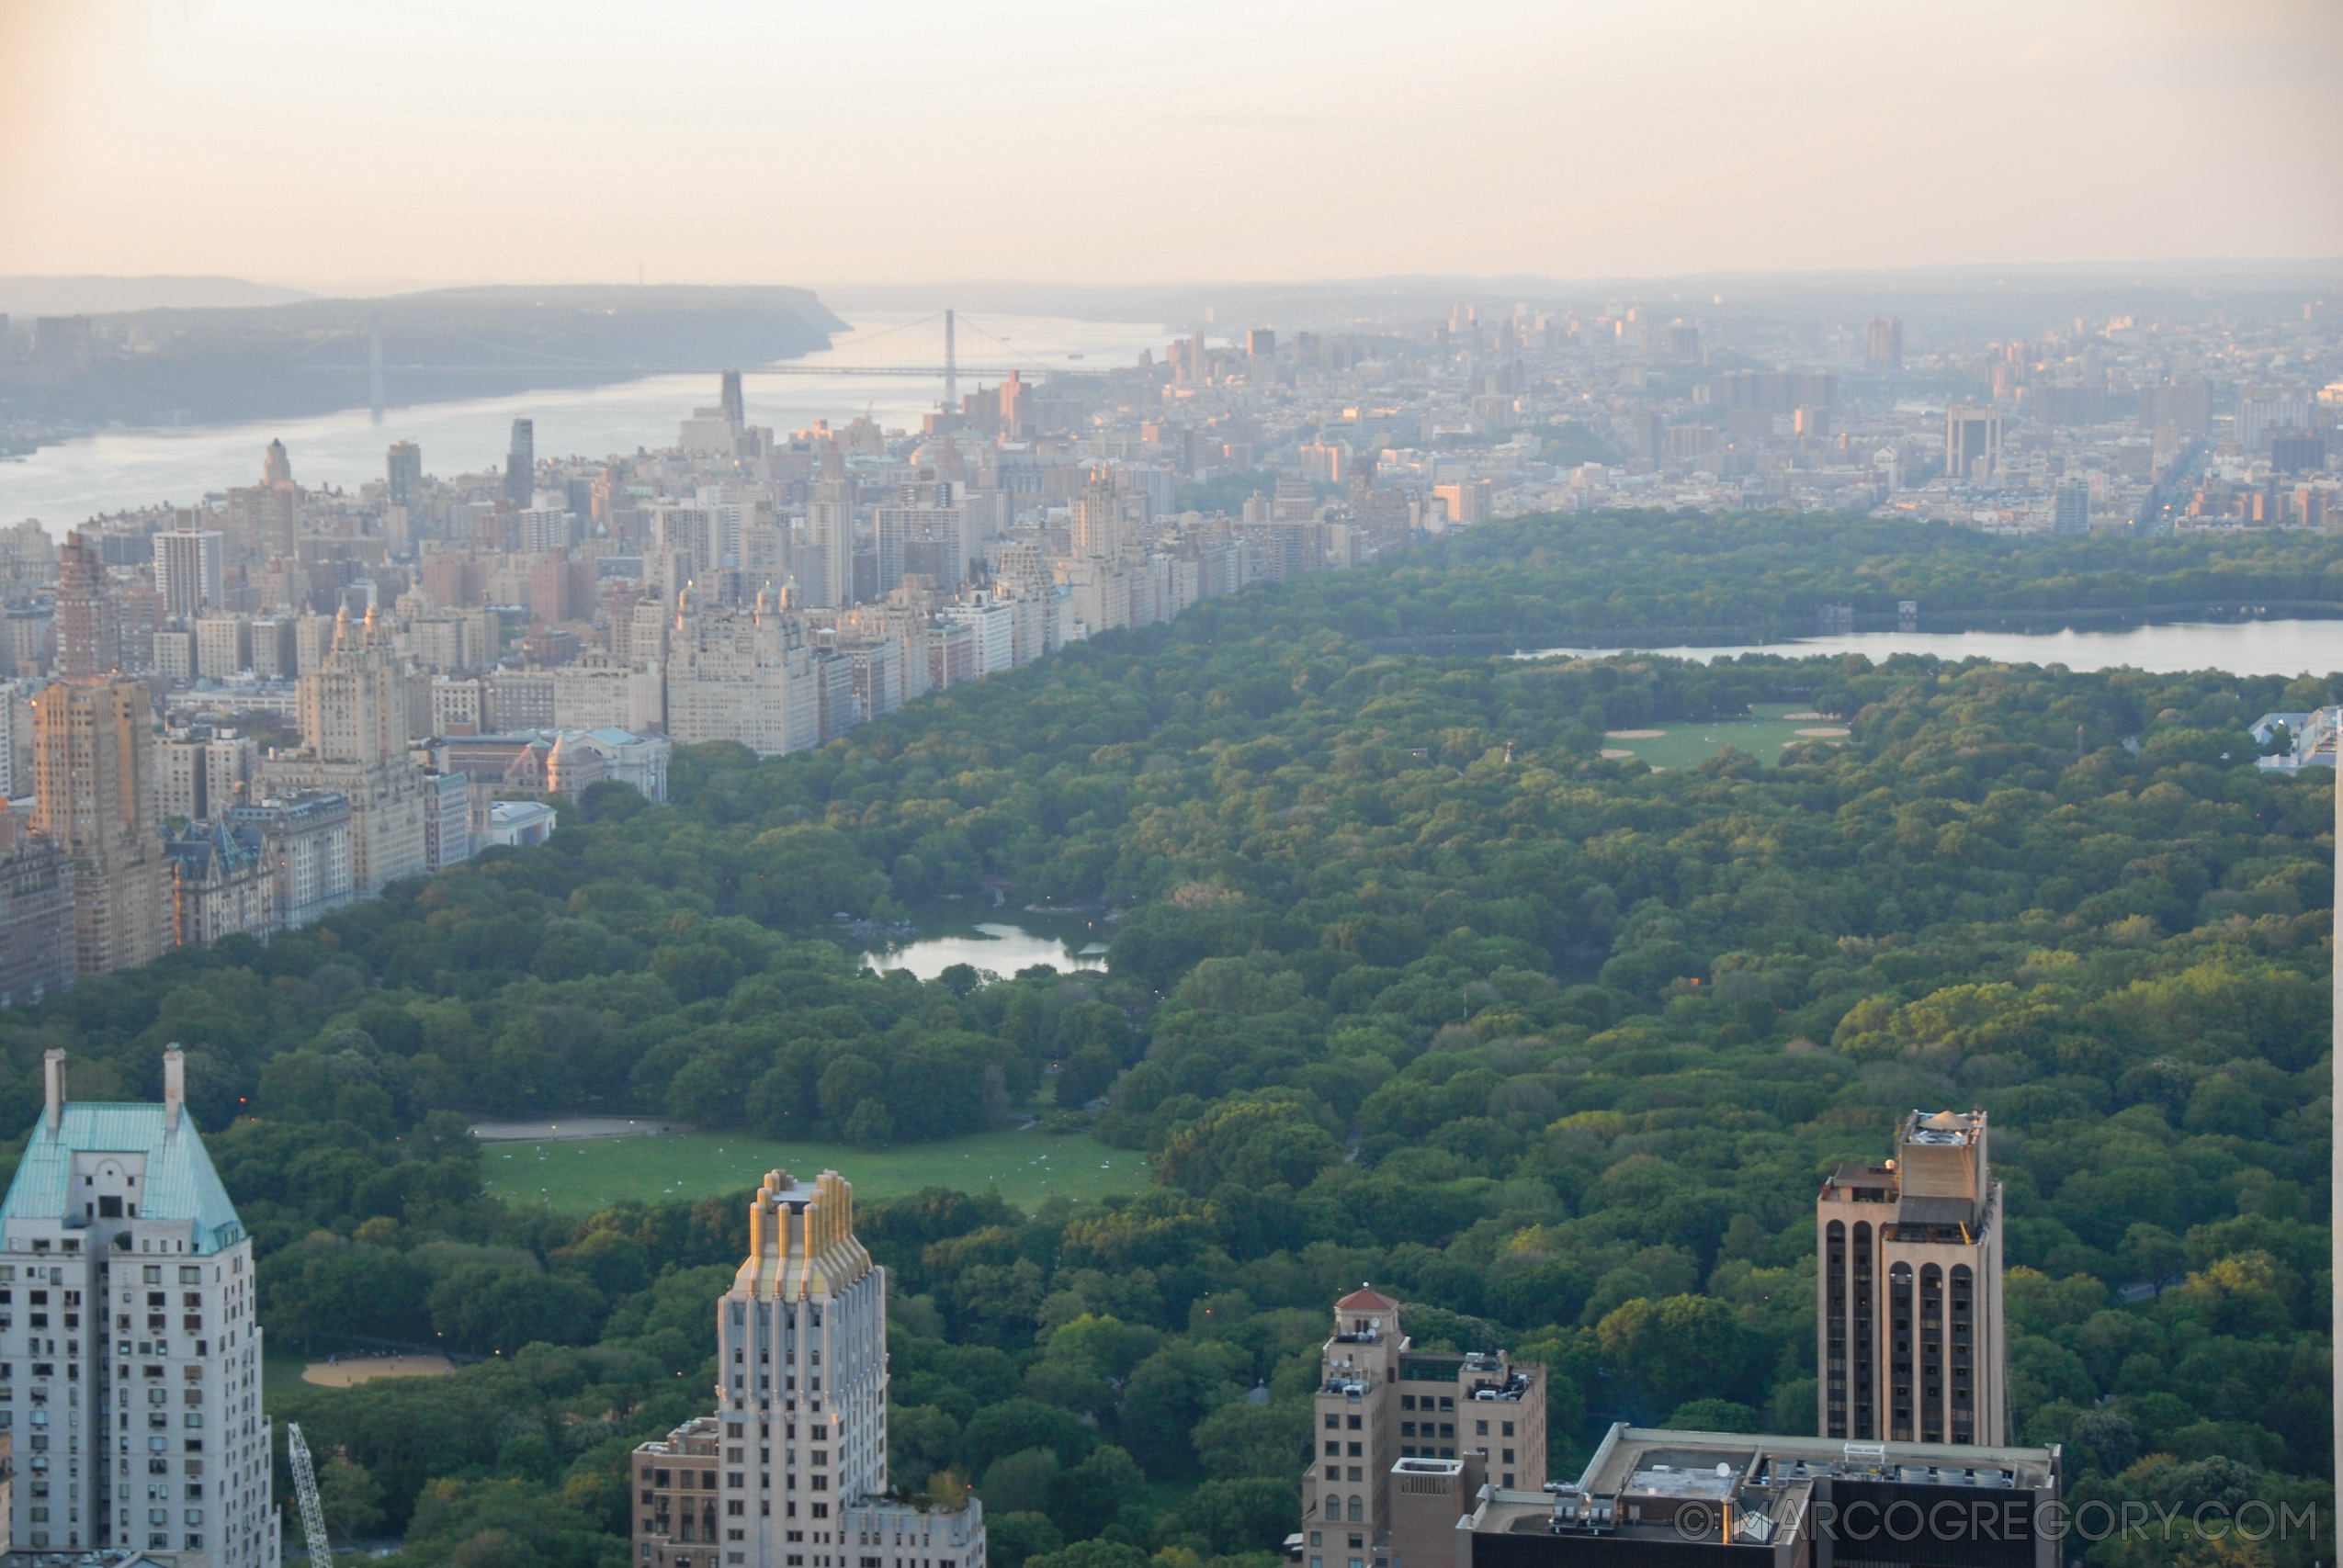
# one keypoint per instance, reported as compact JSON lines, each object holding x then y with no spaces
{"x":791,"y":1471}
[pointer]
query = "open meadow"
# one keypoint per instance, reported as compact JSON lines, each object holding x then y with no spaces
{"x":580,"y":1175}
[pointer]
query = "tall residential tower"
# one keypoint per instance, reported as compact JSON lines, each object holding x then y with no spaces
{"x":791,"y":1470}
{"x":129,"y":1356}
{"x":1908,"y":1318}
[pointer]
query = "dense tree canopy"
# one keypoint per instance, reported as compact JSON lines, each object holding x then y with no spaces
{"x":1408,"y":983}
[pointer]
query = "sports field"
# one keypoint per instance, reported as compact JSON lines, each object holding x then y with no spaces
{"x":1672,"y":744}
{"x":583,"y":1175}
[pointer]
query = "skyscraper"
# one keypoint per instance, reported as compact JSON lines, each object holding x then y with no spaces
{"x":801,"y":1352}
{"x":265,"y":519}
{"x":736,"y":412}
{"x":2071,"y":515}
{"x":826,"y":565}
{"x":520,"y":464}
{"x":1883,"y":343}
{"x":1972,"y":443}
{"x":94,"y":792}
{"x":1098,"y":518}
{"x":404,"y":471}
{"x":187,"y":567}
{"x":115,"y":1209}
{"x":1909,"y":1320}
{"x":88,"y":644}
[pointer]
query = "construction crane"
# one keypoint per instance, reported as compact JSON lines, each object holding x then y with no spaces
{"x":320,"y":1555}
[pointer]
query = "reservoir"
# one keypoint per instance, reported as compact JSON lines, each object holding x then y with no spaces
{"x":63,"y":485}
{"x":2241,"y":648}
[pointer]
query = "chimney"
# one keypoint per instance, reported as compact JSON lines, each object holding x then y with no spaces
{"x":52,"y":1074}
{"x":175,"y":1086}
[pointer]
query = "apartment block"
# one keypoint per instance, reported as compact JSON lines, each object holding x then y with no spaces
{"x":1382,"y":1406}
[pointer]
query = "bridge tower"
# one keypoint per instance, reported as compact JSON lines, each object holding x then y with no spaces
{"x":951,"y":369}
{"x":374,"y":362}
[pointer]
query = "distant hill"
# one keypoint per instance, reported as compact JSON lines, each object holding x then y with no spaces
{"x":108,"y":296}
{"x":212,"y":364}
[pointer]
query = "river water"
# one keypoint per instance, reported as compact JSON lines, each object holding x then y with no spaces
{"x":63,"y":485}
{"x":2241,"y":648}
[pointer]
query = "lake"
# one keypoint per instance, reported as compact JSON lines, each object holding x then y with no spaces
{"x":2241,"y":647}
{"x":63,"y":485}
{"x":1000,"y":941}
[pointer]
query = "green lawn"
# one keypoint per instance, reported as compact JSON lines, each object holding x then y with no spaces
{"x":1682,"y":745}
{"x":280,"y":1371}
{"x":591,"y":1173}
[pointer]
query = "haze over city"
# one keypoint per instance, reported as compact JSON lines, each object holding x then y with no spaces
{"x":371,"y":147}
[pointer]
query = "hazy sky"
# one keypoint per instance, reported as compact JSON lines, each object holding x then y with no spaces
{"x":323,"y":143}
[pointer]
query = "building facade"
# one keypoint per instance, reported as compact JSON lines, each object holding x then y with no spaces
{"x":1382,"y":1404}
{"x":791,"y":1470}
{"x":353,"y":733}
{"x":94,"y":787}
{"x":134,"y":1382}
{"x":35,"y":912}
{"x":1908,"y":1319}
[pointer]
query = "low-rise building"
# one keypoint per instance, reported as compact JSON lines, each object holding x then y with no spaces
{"x":1654,"y":1498}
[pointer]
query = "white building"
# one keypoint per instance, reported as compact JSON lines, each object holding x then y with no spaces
{"x":188,"y":569}
{"x":137,"y":1367}
{"x":801,"y":1340}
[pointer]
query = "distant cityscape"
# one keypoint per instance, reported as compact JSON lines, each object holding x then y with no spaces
{"x":236,"y":716}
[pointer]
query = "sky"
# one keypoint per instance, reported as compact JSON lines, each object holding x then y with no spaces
{"x":363,"y":145}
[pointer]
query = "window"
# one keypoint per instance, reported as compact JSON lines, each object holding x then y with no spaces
{"x":1509,"y":1428}
{"x":152,"y":1274}
{"x":1354,"y":1423}
{"x":1406,"y":1401}
{"x":1480,"y":1428}
{"x":1334,"y":1423}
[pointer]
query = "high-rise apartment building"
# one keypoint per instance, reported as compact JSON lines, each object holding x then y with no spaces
{"x":1908,"y":1322}
{"x":791,"y":1470}
{"x":1098,"y":518}
{"x":741,"y":677}
{"x":94,"y":787}
{"x":1972,"y":443}
{"x":2071,"y":510}
{"x":1381,"y":1403}
{"x":1883,"y":343}
{"x":87,"y":641}
{"x":353,"y":732}
{"x":826,"y":563}
{"x":265,"y":519}
{"x":520,"y":464}
{"x":188,"y":569}
{"x":403,"y":469}
{"x":139,"y":1364}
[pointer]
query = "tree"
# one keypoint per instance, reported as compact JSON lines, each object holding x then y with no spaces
{"x":352,"y":1500}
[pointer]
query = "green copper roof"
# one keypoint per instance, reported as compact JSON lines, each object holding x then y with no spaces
{"x":180,"y":1183}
